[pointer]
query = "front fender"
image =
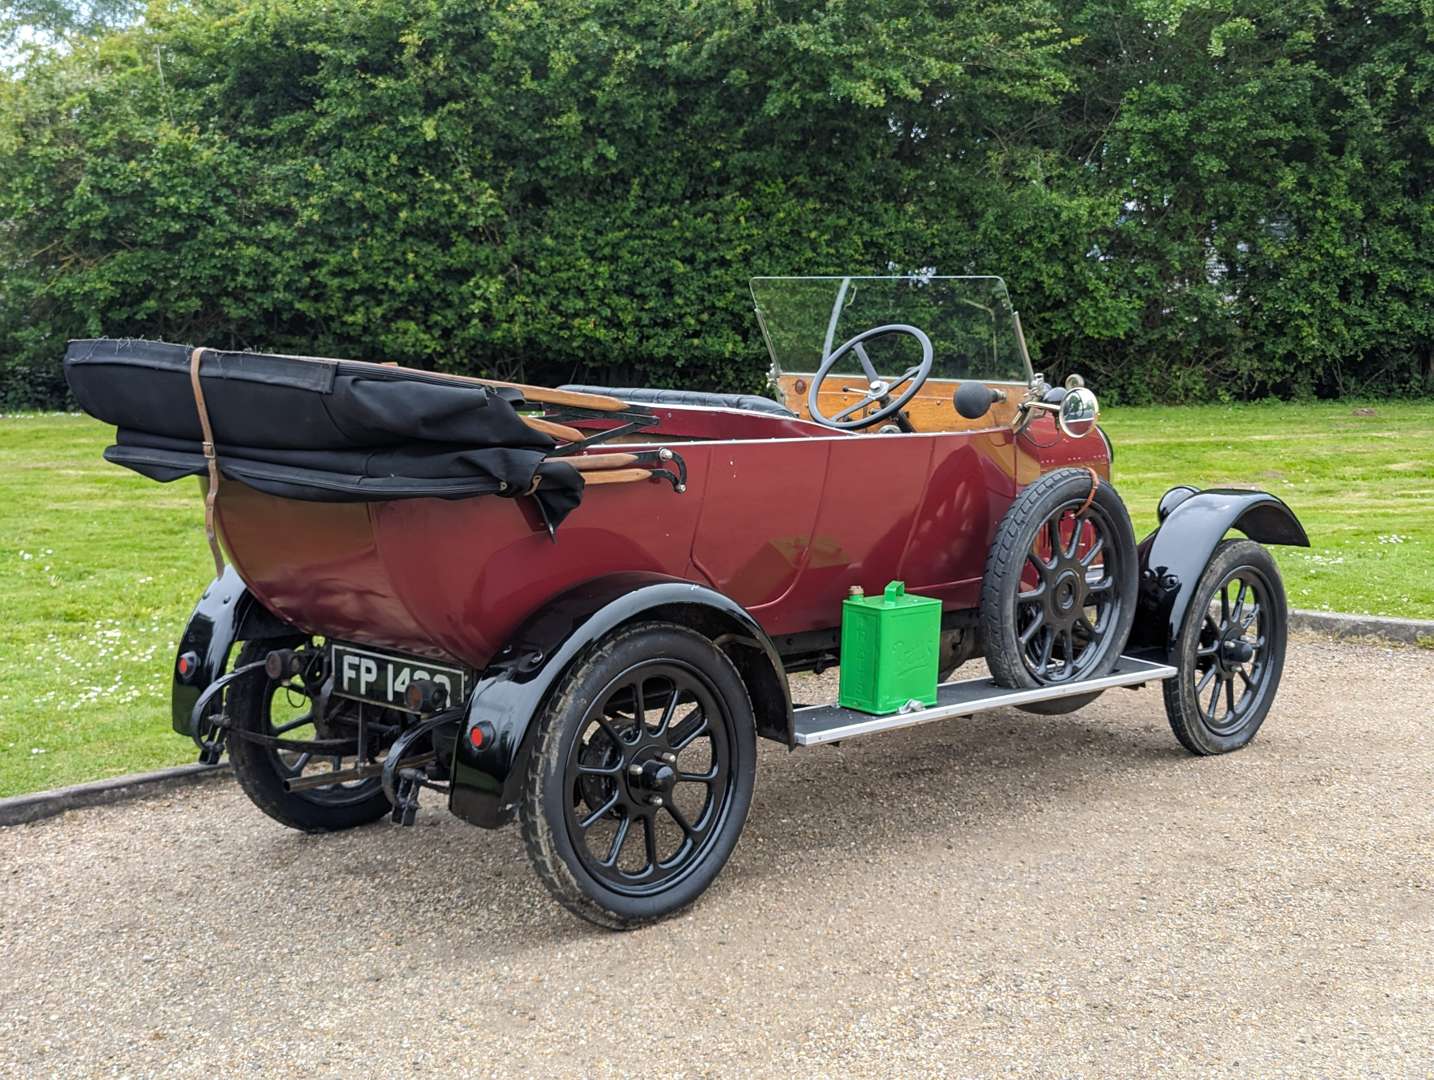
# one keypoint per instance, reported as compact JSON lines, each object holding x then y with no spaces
{"x":487,"y":782}
{"x":227,"y":612}
{"x":1173,"y":557}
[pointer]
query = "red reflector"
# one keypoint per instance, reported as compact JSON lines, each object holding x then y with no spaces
{"x":184,"y":665}
{"x":475,"y":736}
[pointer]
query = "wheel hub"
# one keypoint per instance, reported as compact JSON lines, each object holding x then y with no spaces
{"x":656,"y":776}
{"x":1232,"y":650}
{"x":1237,"y":651}
{"x":1067,"y":591}
{"x":1067,"y":597}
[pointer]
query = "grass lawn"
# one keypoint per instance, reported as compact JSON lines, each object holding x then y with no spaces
{"x":1360,"y":478}
{"x":100,"y":567}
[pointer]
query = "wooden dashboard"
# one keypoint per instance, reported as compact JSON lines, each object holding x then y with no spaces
{"x":930,"y":410}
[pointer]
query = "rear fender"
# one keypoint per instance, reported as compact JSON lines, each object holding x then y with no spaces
{"x":1172,"y":558}
{"x":227,"y":612}
{"x":511,"y":691}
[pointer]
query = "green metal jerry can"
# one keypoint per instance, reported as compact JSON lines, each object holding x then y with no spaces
{"x":889,"y":650}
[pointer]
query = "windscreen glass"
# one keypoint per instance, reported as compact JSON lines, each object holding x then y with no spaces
{"x":968,"y":319}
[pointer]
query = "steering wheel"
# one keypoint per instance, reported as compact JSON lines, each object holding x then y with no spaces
{"x":877,"y":389}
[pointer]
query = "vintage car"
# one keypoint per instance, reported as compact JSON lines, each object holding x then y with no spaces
{"x":580,"y":606}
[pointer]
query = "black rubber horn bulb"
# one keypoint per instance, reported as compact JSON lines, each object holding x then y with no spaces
{"x":973,"y":400}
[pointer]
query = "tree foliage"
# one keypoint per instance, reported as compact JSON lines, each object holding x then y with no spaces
{"x":48,"y":21}
{"x":1188,"y":200}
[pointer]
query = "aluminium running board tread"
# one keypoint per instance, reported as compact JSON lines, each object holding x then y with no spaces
{"x":817,"y":724}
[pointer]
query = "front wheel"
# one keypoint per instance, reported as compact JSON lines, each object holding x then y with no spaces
{"x":640,"y":781}
{"x":1058,"y":597}
{"x":1230,"y":651}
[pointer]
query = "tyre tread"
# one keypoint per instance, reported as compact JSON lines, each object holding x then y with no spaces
{"x":538,"y":838}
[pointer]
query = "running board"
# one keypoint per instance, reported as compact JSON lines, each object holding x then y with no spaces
{"x":818,"y":724}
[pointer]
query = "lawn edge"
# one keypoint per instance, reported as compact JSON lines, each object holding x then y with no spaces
{"x":37,"y":805}
{"x":1382,"y":627}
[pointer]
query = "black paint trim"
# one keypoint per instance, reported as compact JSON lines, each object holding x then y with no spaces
{"x":1174,"y":556}
{"x":487,"y":783}
{"x":227,"y":612}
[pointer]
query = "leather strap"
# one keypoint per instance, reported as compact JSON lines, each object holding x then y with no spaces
{"x":210,"y":458}
{"x":1094,"y":486}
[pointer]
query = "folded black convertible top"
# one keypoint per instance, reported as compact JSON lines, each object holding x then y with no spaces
{"x":316,"y":429}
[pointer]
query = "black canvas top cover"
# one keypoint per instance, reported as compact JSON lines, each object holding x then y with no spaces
{"x":316,"y":429}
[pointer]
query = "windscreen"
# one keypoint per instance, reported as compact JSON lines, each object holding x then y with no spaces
{"x":968,"y":319}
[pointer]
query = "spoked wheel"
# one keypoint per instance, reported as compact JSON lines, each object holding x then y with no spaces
{"x":1231,"y":651}
{"x":642,"y":776}
{"x":285,"y":709}
{"x":1058,"y":598}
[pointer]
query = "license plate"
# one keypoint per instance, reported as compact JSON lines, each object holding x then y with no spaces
{"x":382,"y":678}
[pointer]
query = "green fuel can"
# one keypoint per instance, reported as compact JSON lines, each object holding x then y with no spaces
{"x":889,"y":650}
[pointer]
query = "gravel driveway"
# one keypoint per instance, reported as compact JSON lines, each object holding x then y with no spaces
{"x":1007,"y":895}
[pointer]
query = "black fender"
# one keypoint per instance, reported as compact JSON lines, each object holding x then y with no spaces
{"x":1172,"y":558}
{"x":227,"y":612}
{"x":510,"y":692}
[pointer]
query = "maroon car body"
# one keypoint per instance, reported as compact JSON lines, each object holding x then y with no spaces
{"x":781,"y":515}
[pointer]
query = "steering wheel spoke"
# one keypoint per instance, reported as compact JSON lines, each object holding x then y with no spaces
{"x":863,"y":403}
{"x":909,"y":373}
{"x":866,"y":365}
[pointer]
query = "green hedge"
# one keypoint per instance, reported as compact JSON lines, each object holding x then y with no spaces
{"x":1188,"y":201}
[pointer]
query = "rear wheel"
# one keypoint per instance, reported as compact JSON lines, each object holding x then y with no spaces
{"x":642,"y":775}
{"x":285,"y":709}
{"x":1230,"y":651}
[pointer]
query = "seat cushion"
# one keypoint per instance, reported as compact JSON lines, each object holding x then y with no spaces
{"x":647,"y":396}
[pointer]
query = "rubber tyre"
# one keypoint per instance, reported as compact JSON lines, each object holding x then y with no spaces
{"x":1005,"y":563}
{"x":1187,"y":720}
{"x":256,"y":771}
{"x":545,"y":833}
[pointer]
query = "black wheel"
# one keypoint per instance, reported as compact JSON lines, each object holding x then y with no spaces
{"x":260,"y":704}
{"x":1230,"y":652}
{"x":639,"y":784}
{"x":1058,"y":598}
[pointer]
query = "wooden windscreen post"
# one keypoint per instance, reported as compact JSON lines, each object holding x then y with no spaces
{"x":543,"y":395}
{"x":616,"y":476}
{"x":561,"y":432}
{"x":596,"y":462}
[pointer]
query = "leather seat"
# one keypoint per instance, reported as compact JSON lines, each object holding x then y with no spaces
{"x":649,"y":396}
